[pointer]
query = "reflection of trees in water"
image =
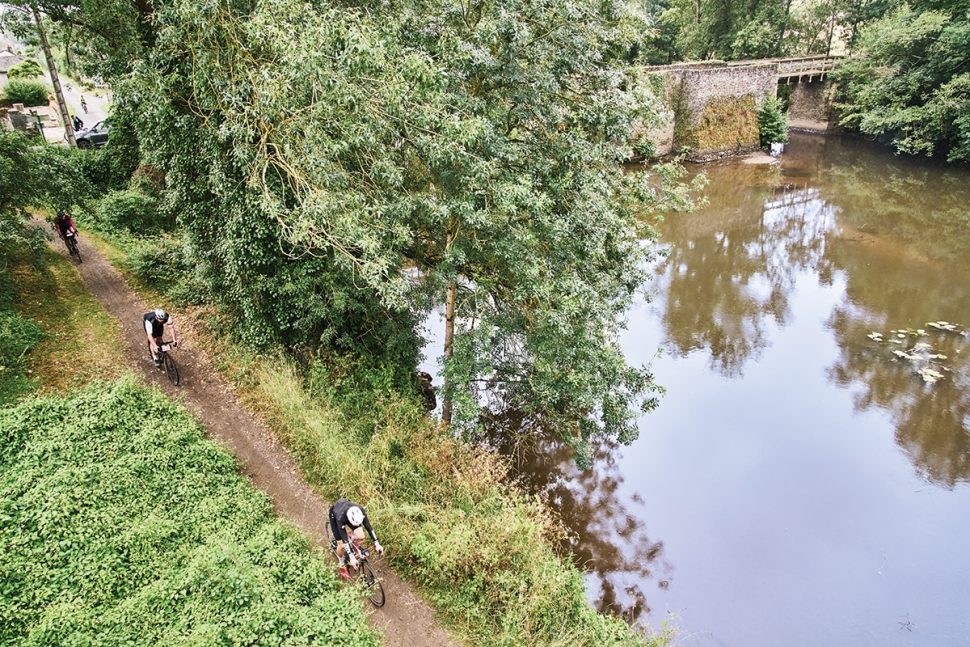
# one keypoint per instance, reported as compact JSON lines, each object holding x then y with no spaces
{"x":606,"y":540}
{"x":731,"y":267}
{"x":912,"y":201}
{"x":884,"y":291}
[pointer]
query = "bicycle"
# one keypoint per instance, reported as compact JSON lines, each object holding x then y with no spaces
{"x":165,"y":361}
{"x":365,"y":577}
{"x":72,"y":249}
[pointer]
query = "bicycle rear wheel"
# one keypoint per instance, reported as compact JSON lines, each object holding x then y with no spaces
{"x":373,"y":588}
{"x":171,"y":369}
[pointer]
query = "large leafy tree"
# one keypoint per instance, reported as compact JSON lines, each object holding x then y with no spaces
{"x":911,"y":86}
{"x":335,"y":163}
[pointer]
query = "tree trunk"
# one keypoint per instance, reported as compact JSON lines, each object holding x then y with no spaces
{"x":828,"y":48}
{"x":449,"y":344}
{"x":61,"y":104}
{"x":68,"y":59}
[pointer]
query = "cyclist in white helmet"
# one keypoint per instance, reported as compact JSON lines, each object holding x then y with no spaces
{"x":155,"y":324}
{"x":343,"y":514}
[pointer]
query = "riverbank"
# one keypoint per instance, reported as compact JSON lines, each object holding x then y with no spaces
{"x":479,"y":550}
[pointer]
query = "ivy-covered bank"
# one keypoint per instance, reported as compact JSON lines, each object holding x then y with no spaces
{"x":121,"y":525}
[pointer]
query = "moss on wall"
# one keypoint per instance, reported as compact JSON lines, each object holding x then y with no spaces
{"x":728,"y":122}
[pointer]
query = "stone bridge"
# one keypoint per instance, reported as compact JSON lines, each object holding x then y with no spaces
{"x":711,"y":108}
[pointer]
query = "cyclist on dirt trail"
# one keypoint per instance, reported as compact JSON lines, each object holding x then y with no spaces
{"x":64,"y":226}
{"x":155,"y":324}
{"x":346,"y":513}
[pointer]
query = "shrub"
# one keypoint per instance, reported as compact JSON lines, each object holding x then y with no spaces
{"x":128,"y":210}
{"x":772,"y":122}
{"x":162,"y":262}
{"x":28,"y":92}
{"x":27,"y":69}
{"x":121,"y":525}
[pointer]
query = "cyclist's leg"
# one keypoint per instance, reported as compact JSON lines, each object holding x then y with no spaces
{"x":336,"y":544}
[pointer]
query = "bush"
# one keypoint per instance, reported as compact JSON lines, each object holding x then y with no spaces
{"x":772,"y":122}
{"x":30,"y":93}
{"x":27,"y":69}
{"x":121,"y":525}
{"x":162,"y":262}
{"x":128,"y":210}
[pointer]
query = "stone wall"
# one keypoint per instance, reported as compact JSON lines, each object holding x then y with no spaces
{"x":810,"y":105}
{"x":712,"y":109}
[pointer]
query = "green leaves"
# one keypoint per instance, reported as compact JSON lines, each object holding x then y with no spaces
{"x":911,"y":86}
{"x":120,"y":525}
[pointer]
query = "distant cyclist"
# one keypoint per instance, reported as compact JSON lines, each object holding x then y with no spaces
{"x":155,"y":324}
{"x":343,"y":514}
{"x":64,"y":226}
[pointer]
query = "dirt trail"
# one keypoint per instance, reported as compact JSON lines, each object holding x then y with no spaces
{"x":405,"y":620}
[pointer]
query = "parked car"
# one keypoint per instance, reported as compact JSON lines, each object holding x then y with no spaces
{"x":93,"y":137}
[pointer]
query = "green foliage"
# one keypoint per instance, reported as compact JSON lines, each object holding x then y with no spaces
{"x":162,"y":262}
{"x":121,"y":525}
{"x":772,"y":122}
{"x":27,"y":69}
{"x":36,"y":176}
{"x":110,"y":168}
{"x":481,"y":550}
{"x":18,"y":336}
{"x":912,"y":86}
{"x":25,"y":91}
{"x":414,"y":150}
{"x":128,"y":210}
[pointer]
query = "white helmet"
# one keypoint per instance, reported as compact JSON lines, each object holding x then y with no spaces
{"x":161,"y":315}
{"x":355,"y":516}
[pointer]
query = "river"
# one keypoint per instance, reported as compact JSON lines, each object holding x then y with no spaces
{"x":800,"y":484}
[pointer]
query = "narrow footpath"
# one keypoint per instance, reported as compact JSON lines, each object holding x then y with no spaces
{"x":406,"y":620}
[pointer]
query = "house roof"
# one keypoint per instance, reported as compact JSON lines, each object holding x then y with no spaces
{"x":8,"y":60}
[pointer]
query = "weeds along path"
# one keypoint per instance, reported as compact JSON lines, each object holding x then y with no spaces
{"x":406,"y":619}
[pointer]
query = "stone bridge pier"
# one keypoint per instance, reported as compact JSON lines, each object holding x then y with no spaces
{"x":710,"y":109}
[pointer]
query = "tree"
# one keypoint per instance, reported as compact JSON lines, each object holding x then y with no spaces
{"x":772,"y":122}
{"x":27,"y":69}
{"x":340,"y":172}
{"x":911,"y":85}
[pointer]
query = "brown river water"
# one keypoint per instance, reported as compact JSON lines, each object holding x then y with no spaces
{"x":800,"y":484}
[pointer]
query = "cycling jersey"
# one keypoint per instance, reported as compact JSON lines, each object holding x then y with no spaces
{"x":338,"y":521}
{"x":153,"y":326}
{"x":64,"y":225}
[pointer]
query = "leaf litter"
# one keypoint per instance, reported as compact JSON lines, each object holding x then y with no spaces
{"x":922,"y":356}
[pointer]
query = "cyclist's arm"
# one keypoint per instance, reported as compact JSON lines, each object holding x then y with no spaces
{"x":369,"y":529}
{"x":151,"y":338}
{"x":175,"y":334}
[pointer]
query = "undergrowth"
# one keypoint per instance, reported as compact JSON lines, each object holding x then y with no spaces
{"x":121,"y":525}
{"x":480,"y":549}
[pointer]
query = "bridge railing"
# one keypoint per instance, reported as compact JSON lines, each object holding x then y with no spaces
{"x":808,"y":66}
{"x":788,"y":68}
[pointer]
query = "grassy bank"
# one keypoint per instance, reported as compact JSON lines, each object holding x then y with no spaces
{"x":120,"y":524}
{"x":480,"y":550}
{"x":54,"y":336}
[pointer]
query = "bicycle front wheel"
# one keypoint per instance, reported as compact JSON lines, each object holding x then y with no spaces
{"x":171,"y":369}
{"x":373,"y":588}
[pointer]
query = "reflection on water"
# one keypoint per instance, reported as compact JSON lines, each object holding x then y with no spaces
{"x":797,"y":486}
